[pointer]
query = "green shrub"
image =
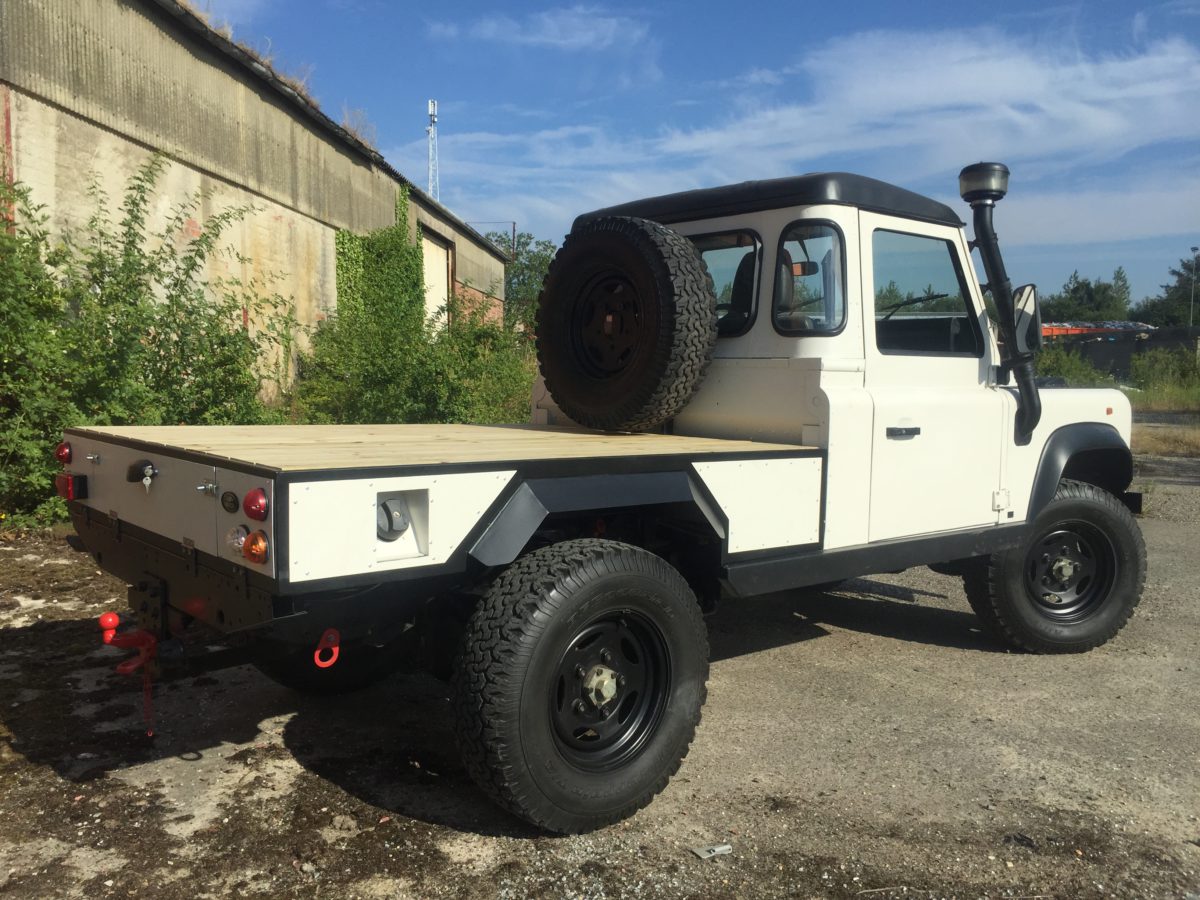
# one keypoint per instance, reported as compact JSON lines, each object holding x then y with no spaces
{"x":378,"y":360}
{"x":117,"y":325}
{"x":1167,"y":380}
{"x":1059,"y":360}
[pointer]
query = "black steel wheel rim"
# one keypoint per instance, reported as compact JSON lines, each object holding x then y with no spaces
{"x":606,"y":324}
{"x":609,"y":690}
{"x":1070,"y":571}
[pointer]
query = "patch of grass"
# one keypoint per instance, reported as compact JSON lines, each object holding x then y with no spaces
{"x":1166,"y":398}
{"x":1166,"y":440}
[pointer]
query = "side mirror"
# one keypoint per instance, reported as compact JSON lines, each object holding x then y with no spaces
{"x":1027,"y":319}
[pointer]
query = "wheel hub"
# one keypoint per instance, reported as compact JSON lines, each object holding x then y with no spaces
{"x":1070,"y":571}
{"x":610,"y":690}
{"x":601,"y":686}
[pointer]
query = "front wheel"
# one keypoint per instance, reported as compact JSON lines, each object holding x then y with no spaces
{"x":580,"y":683}
{"x":1073,"y":584}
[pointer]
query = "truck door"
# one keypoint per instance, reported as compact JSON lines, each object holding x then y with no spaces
{"x":938,"y":421}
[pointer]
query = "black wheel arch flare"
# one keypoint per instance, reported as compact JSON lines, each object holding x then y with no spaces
{"x":1093,"y":452}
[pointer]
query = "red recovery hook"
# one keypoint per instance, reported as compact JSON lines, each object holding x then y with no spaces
{"x":146,"y":645}
{"x":328,"y":648}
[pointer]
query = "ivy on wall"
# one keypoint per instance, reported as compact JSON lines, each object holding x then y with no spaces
{"x":378,"y":359}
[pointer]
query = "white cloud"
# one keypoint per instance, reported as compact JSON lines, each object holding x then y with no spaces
{"x":574,"y":28}
{"x":911,"y":107}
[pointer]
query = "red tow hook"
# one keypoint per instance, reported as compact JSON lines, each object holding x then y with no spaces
{"x":146,"y":645}
{"x":328,"y":648}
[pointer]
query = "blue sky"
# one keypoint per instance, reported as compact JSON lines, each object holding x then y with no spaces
{"x":551,"y":110}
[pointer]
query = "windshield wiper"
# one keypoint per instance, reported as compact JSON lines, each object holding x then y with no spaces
{"x":891,"y":310}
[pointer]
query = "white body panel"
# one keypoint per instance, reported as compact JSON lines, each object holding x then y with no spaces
{"x":331,"y":524}
{"x":770,"y":503}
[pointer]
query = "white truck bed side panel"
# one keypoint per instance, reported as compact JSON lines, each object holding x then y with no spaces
{"x":770,"y":503}
{"x":332,"y":523}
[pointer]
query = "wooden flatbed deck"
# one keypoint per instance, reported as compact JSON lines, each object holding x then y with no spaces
{"x":317,"y":447}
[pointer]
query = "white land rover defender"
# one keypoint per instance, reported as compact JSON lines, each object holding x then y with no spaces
{"x":747,"y":389}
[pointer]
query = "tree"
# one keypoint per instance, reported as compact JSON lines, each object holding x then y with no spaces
{"x":1170,"y":308}
{"x":1084,"y":300}
{"x":523,"y":276}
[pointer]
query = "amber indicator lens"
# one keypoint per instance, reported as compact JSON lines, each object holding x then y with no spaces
{"x":254,"y":504}
{"x":63,"y":453}
{"x":255,"y":547}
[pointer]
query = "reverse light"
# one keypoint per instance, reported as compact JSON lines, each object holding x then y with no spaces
{"x":254,"y":504}
{"x":71,"y":487}
{"x":255,"y":547}
{"x":63,"y":453}
{"x":235,"y":538}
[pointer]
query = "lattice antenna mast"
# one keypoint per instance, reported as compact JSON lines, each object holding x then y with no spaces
{"x":433,"y":153}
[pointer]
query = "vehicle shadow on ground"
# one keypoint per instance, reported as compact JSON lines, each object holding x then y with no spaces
{"x":873,"y":607}
{"x":392,"y":746}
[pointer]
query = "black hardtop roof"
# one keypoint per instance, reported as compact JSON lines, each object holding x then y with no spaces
{"x":779,"y":193}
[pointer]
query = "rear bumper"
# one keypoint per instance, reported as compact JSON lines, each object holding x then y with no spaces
{"x":178,"y":579}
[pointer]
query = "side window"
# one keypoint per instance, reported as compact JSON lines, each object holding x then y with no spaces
{"x":809,"y":294}
{"x":732,"y":260}
{"x":921,"y":303}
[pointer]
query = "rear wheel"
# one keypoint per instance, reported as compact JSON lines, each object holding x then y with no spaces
{"x":1074,"y":583}
{"x":580,"y":683}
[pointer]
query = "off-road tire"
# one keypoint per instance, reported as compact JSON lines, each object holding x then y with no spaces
{"x":1008,"y":594}
{"x":626,"y":324}
{"x":358,"y":666}
{"x":515,"y":686}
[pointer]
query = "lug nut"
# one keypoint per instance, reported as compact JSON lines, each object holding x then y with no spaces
{"x":580,"y":707}
{"x":605,"y":656}
{"x":580,"y":672}
{"x":620,"y":681}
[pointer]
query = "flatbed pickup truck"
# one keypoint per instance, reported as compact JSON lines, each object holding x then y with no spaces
{"x":743,"y":390}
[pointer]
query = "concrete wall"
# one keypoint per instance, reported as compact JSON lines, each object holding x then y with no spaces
{"x":59,"y":156}
{"x":94,"y":86}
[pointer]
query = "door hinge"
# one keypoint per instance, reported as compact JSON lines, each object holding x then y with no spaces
{"x":1000,"y":500}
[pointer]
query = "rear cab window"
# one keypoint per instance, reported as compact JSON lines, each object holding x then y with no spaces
{"x":809,"y":296}
{"x":732,"y":258}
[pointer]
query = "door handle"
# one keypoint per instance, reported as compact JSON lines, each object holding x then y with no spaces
{"x":894,"y":431}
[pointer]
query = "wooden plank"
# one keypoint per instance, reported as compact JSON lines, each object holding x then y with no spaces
{"x":305,"y":447}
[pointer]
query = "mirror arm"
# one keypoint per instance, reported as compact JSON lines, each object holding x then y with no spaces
{"x":1029,"y":411}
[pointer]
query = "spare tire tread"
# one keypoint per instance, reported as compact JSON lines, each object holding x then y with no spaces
{"x":684,"y":354}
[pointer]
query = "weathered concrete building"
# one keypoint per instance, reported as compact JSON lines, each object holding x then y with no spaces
{"x":89,"y":89}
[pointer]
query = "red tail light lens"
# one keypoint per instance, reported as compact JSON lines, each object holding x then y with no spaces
{"x":254,"y":504}
{"x":255,"y":548}
{"x":63,"y":453}
{"x":71,"y":487}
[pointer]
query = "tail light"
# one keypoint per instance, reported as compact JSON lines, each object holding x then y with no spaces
{"x":71,"y":487}
{"x":255,"y":548}
{"x":254,"y":505}
{"x":63,"y":453}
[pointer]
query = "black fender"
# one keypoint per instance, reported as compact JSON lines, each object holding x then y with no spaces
{"x":1084,"y":451}
{"x":536,"y":499}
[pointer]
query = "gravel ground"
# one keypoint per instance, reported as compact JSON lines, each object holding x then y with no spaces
{"x":863,"y":742}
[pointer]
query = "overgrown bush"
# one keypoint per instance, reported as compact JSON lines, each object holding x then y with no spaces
{"x":1168,"y":380}
{"x":378,"y":359}
{"x":118,"y":325}
{"x":1063,"y":362}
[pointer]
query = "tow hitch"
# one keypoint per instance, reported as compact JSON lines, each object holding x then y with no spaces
{"x":146,"y":645}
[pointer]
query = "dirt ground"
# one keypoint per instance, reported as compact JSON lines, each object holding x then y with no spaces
{"x":864,"y":742}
